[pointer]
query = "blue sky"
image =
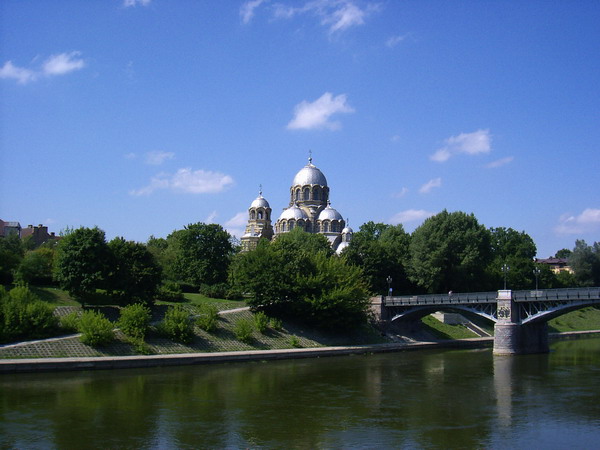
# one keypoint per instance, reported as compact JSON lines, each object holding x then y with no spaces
{"x":142,"y":116}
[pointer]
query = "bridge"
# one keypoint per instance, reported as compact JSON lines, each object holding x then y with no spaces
{"x":520,"y":317}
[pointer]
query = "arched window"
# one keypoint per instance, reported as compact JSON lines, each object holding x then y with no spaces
{"x":252,"y":215}
{"x":316,"y":193}
{"x":291,"y":225}
{"x":306,"y":194}
{"x":325,"y":227}
{"x":297,"y":194}
{"x":282,"y":226}
{"x":300,"y":224}
{"x":333,"y":226}
{"x":260,"y":215}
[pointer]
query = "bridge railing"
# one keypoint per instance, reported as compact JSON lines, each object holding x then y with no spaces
{"x":591,"y":293}
{"x":441,"y":299}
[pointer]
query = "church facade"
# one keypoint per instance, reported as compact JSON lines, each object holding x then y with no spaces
{"x":309,"y":209}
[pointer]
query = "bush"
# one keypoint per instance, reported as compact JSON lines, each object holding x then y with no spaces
{"x":140,"y":347}
{"x":218,"y":290}
{"x":276,"y":324}
{"x":170,"y":292}
{"x":294,"y":342}
{"x":95,"y":328}
{"x":24,"y":316}
{"x":177,"y":326}
{"x":70,"y":322}
{"x":208,"y":319}
{"x":243,"y":330}
{"x":261,"y":321}
{"x":135,"y":320}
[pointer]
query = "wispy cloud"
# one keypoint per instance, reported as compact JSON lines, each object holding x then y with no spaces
{"x":316,"y":115}
{"x":237,"y":224}
{"x":59,"y":64}
{"x":431,"y":184}
{"x":587,"y":221}
{"x":157,"y":158}
{"x":133,"y":3}
{"x":401,"y":193}
{"x":211,"y":217}
{"x":188,"y":182}
{"x":499,"y":162}
{"x":468,"y":143}
{"x":336,"y":15}
{"x":248,"y":8}
{"x":395,"y":40}
{"x":410,"y":215}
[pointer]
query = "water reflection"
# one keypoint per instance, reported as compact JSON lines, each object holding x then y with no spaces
{"x":433,"y":399}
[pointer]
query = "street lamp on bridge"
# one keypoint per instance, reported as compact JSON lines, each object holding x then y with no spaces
{"x":389,"y":282}
{"x":536,"y":273}
{"x":505,"y":269}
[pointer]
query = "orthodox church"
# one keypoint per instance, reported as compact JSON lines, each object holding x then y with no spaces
{"x":309,"y":209}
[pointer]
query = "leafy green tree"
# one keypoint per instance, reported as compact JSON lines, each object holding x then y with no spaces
{"x":165,"y":254}
{"x":82,"y":262}
{"x":450,"y":251}
{"x":134,"y":274}
{"x":517,"y":250}
{"x":585,"y":262}
{"x":37,"y":266}
{"x":203,"y":253}
{"x":11,"y":254}
{"x":382,"y":250}
{"x":563,"y":253}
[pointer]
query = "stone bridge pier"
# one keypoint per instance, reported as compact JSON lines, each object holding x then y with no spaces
{"x":511,"y":336}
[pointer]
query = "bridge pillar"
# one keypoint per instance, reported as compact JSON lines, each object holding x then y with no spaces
{"x":511,"y":337}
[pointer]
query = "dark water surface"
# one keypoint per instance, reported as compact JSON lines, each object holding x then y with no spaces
{"x":417,"y":399}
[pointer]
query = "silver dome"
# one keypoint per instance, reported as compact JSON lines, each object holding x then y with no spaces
{"x":260,"y":202}
{"x":347,"y":230}
{"x":330,"y":214}
{"x":309,"y":175}
{"x":293,"y":212}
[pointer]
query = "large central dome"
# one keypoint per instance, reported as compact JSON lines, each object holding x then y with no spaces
{"x":309,"y":175}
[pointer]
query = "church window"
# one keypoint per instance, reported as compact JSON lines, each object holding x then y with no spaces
{"x":297,"y":194}
{"x":316,"y":194}
{"x":325,"y":227}
{"x":282,"y":226}
{"x":334,"y":226}
{"x":252,"y":215}
{"x":306,"y":194}
{"x":260,"y":215}
{"x":291,"y":225}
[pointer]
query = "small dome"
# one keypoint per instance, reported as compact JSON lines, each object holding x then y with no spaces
{"x":260,"y":202}
{"x":341,"y":247}
{"x":309,"y":175}
{"x":293,"y":212}
{"x":330,"y":214}
{"x":347,"y":230}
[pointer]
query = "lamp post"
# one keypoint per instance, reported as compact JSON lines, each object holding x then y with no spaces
{"x":505,"y":269}
{"x":389,"y":282}
{"x":536,"y":273}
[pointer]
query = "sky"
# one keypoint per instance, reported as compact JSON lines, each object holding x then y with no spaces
{"x":143,"y":116}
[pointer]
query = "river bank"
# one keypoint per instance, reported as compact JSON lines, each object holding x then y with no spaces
{"x":143,"y":361}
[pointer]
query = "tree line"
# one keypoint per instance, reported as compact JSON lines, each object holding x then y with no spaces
{"x":297,"y":274}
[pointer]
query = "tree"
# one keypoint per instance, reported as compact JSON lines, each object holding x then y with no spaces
{"x":203,"y":253}
{"x":82,"y":262}
{"x":517,"y":250}
{"x":37,"y":266}
{"x":11,"y":254}
{"x":134,"y":274}
{"x":381,"y":250}
{"x":450,"y":251}
{"x":563,"y":253}
{"x":585,"y":262}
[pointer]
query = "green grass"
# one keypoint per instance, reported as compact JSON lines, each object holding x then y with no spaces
{"x":444,"y":330}
{"x":580,"y":320}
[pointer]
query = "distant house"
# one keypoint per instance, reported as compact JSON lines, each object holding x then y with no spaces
{"x":39,"y":234}
{"x":8,"y":228}
{"x":556,"y":265}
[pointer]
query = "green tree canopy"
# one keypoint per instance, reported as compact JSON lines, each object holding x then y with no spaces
{"x":517,"y":250}
{"x":585,"y":262}
{"x":37,"y":266}
{"x":134,"y":276}
{"x":381,"y":250}
{"x":82,"y":261}
{"x":11,"y":254}
{"x":203,"y":253}
{"x":450,"y":251}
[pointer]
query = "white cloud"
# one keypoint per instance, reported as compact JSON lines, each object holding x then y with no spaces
{"x":431,"y":184}
{"x":236,"y":226}
{"x":401,"y":193}
{"x":63,"y":63}
{"x":410,"y":215}
{"x":211,"y":217}
{"x":133,"y":3}
{"x":470,"y":143}
{"x":337,"y":15}
{"x":395,"y":40}
{"x":248,"y":8}
{"x":22,"y":75}
{"x":316,"y":115}
{"x":59,"y":64}
{"x":188,"y":182}
{"x":499,"y":162}
{"x":587,"y":221}
{"x":157,"y":158}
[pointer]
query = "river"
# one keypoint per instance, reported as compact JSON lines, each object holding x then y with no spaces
{"x":415,"y":399}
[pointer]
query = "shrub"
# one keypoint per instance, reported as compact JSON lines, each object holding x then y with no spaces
{"x":243,"y":330}
{"x":24,"y":315}
{"x":135,"y":320}
{"x":170,"y":292}
{"x":294,"y":342}
{"x":218,"y":290}
{"x":276,"y":324}
{"x":140,"y":346}
{"x":208,"y":318}
{"x":95,"y":328}
{"x":261,"y":321}
{"x":70,"y":322}
{"x":177,"y":326}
